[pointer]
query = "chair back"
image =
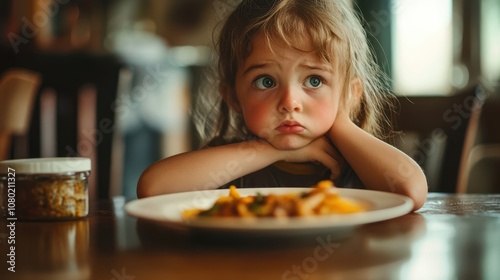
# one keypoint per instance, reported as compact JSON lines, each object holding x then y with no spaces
{"x":17,"y":94}
{"x":483,"y":162}
{"x":437,"y":132}
{"x":75,"y":112}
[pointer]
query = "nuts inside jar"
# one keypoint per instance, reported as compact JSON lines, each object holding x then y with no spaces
{"x":51,"y":197}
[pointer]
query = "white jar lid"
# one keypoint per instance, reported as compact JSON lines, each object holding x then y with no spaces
{"x":46,"y":165}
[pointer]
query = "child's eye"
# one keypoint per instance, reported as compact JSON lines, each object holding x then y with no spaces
{"x":264,"y":82}
{"x":313,"y":82}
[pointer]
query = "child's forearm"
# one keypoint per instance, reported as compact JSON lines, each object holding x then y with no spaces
{"x":207,"y":168}
{"x":379,"y":165}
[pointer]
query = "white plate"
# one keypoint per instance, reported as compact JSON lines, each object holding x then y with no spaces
{"x":167,"y":209}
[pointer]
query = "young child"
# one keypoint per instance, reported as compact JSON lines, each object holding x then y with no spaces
{"x":300,"y":98}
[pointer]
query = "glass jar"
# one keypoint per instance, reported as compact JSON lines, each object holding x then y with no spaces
{"x":44,"y":188}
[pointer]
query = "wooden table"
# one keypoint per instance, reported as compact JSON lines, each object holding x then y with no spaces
{"x":451,"y":237}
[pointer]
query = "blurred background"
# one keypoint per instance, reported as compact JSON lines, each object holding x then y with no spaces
{"x":142,"y":63}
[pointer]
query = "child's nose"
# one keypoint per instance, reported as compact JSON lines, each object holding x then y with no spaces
{"x":289,"y":101}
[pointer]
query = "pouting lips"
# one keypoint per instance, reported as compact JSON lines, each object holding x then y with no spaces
{"x":290,"y":127}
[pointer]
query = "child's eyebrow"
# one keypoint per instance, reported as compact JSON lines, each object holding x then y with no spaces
{"x":320,"y":67}
{"x":255,"y":66}
{"x":308,"y":66}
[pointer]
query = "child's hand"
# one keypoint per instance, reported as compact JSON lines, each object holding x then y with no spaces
{"x":320,"y":150}
{"x":342,"y":118}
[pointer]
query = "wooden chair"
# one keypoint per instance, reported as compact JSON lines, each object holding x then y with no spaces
{"x":483,"y":162}
{"x":75,"y":113}
{"x":17,"y":94}
{"x":437,"y":132}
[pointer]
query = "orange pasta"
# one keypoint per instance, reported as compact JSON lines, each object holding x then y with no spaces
{"x":322,"y":199}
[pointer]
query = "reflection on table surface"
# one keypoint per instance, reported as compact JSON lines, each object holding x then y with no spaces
{"x":451,"y":237}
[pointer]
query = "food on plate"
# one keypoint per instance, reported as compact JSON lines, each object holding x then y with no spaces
{"x":322,"y":199}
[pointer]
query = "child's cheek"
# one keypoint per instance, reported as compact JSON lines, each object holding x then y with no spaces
{"x":325,"y":116}
{"x":257,"y":119}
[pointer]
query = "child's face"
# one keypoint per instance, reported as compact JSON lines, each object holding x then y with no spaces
{"x":286,"y":96}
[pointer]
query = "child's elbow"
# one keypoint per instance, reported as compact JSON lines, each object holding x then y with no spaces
{"x":144,"y":186}
{"x":417,"y":191}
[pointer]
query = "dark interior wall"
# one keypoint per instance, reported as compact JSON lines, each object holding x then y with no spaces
{"x":377,"y":17}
